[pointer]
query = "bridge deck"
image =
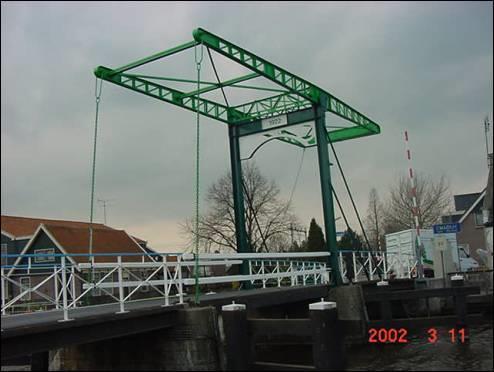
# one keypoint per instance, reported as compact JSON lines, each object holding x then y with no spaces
{"x":40,"y":331}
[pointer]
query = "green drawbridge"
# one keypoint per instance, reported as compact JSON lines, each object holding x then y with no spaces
{"x":296,"y":102}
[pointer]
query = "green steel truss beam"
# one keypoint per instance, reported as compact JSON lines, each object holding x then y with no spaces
{"x":300,"y":93}
{"x":179,"y":80}
{"x":271,"y":106}
{"x":285,"y":79}
{"x":206,"y":107}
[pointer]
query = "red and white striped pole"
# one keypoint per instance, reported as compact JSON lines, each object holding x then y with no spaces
{"x":415,"y":209}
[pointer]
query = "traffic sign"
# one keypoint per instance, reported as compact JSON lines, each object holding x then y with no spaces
{"x":445,"y":228}
{"x":440,"y":243}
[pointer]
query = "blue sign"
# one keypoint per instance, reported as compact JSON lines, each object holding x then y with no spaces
{"x":446,"y":228}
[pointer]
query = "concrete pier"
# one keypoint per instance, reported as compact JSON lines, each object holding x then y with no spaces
{"x":190,"y":345}
{"x":352,"y":312}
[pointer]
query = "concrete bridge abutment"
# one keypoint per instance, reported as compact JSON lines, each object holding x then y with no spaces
{"x":192,"y":344}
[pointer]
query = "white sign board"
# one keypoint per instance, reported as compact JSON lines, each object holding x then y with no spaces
{"x":440,"y":243}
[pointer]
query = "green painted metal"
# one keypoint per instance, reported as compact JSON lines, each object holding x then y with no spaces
{"x":285,"y":79}
{"x":169,"y":79}
{"x":223,"y":84}
{"x":271,"y":106}
{"x":300,"y":93}
{"x":206,"y":107}
{"x":259,"y":88}
{"x":156,"y":56}
{"x":299,"y":96}
{"x":327,"y":196}
{"x":238,"y":196}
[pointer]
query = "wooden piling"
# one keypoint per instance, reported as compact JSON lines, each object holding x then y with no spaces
{"x":327,"y":336}
{"x":385,"y":305}
{"x":457,"y":281}
{"x":237,"y":343}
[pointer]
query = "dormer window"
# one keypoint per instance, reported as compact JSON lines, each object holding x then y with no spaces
{"x":43,"y":259}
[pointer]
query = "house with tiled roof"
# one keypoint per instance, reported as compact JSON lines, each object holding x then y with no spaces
{"x":16,"y":232}
{"x":42,"y":242}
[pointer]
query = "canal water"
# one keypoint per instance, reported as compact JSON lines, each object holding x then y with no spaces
{"x":420,"y":355}
{"x":417,"y":355}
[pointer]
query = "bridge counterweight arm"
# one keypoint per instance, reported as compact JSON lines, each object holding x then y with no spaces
{"x":285,"y":79}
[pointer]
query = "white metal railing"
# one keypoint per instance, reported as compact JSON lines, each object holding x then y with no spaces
{"x":73,"y":281}
{"x":357,"y":265}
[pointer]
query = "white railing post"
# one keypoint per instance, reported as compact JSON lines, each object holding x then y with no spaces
{"x":263,"y":276}
{"x":4,"y":293}
{"x":303,"y":273}
{"x":165,"y":281}
{"x":385,"y":265}
{"x":278,"y":271}
{"x":354,"y":259}
{"x":29,"y":265}
{"x":55,"y":278}
{"x":250,"y":271}
{"x":180,"y":284}
{"x":120,"y":286}
{"x":73,"y":290}
{"x":402,"y":267}
{"x":292,"y":279}
{"x":369,"y":255}
{"x":64,"y":292}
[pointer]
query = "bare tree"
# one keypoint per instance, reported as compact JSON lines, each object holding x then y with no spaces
{"x":433,"y":198}
{"x":374,"y":220}
{"x":267,"y":217}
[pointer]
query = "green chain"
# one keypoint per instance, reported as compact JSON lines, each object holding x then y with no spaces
{"x":198,"y":60}
{"x":97,"y":94}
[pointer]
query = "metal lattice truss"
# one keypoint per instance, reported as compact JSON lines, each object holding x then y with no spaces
{"x":390,"y":264}
{"x":294,"y":94}
{"x":276,"y":273}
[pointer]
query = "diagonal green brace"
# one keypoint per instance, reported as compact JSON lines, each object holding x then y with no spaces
{"x":284,"y":78}
{"x":207,"y":108}
{"x":223,"y":84}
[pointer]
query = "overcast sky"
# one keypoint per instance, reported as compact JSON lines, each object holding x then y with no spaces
{"x":424,"y":67}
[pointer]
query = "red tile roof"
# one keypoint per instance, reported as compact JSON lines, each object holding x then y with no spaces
{"x":26,"y":226}
{"x":75,"y":240}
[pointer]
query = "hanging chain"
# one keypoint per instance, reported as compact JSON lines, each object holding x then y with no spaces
{"x":198,"y":59}
{"x":97,"y":94}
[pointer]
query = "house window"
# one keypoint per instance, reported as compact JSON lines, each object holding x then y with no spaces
{"x":98,"y":275}
{"x":25,"y":284}
{"x":145,"y":287}
{"x":43,"y":259}
{"x":479,"y":220}
{"x":4,"y":252}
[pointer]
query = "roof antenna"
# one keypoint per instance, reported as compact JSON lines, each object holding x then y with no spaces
{"x":486,"y":131}
{"x":105,"y":203}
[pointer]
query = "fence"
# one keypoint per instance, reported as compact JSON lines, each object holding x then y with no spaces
{"x":69,"y":281}
{"x":72,"y":281}
{"x":358,"y":266}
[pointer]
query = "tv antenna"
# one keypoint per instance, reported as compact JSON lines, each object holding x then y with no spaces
{"x":105,"y":202}
{"x":486,"y":131}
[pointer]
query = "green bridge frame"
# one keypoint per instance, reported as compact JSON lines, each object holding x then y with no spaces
{"x":296,"y":94}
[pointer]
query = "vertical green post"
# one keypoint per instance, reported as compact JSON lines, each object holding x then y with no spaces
{"x":238,"y":196}
{"x":327,"y":196}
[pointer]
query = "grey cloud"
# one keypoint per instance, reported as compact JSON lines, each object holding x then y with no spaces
{"x":422,"y":67}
